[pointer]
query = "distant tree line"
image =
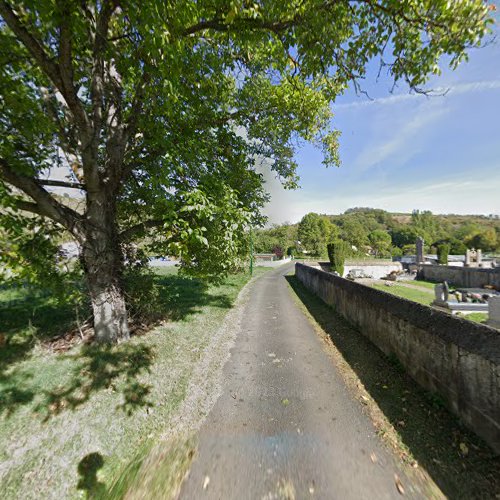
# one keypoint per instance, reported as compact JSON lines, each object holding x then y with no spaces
{"x":378,"y":233}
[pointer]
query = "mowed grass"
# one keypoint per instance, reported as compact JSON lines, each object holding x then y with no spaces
{"x":420,"y":296}
{"x":424,"y":284}
{"x":425,"y":297}
{"x":477,"y":317}
{"x":72,"y":423}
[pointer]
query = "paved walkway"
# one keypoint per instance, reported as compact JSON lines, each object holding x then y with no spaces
{"x":286,"y":426}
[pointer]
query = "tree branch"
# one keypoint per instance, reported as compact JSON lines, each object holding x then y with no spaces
{"x":46,"y":204}
{"x":65,"y":49}
{"x":132,"y":231}
{"x":47,"y":65}
{"x":70,"y":185}
{"x":218,"y":24}
{"x":27,"y":206}
{"x":97,"y":81}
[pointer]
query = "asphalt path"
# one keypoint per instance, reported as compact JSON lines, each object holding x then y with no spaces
{"x":286,"y":426}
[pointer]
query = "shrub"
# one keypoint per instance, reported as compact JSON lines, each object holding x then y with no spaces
{"x":337,"y":253}
{"x":442,"y":253}
{"x":396,"y":252}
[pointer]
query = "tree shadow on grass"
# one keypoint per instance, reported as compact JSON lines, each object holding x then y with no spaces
{"x":99,"y":367}
{"x":93,"y":368}
{"x":24,"y":322}
{"x":28,"y":320}
{"x":460,"y":463}
{"x":87,"y":470}
{"x":181,"y":297}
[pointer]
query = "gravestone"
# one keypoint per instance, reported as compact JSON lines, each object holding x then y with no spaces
{"x":494,"y":311}
{"x":420,"y":250}
{"x":473,"y":258}
{"x":441,"y":293}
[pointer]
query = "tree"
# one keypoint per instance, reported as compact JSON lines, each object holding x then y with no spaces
{"x":404,"y":235}
{"x":338,"y":251}
{"x":486,"y":240}
{"x":315,"y":231}
{"x":443,"y":251}
{"x":157,"y":109}
{"x":283,"y":236}
{"x":380,"y":242}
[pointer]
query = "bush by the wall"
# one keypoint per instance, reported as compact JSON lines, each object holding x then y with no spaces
{"x":338,"y":251}
{"x":442,"y":253}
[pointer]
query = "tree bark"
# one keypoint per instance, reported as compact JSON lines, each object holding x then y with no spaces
{"x":103,"y":264}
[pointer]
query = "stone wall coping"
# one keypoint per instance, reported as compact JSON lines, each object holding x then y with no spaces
{"x":475,"y":338}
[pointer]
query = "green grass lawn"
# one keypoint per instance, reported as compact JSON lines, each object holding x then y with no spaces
{"x":420,"y":296}
{"x":74,"y":422}
{"x":424,"y":284}
{"x":424,"y":297}
{"x":477,"y":317}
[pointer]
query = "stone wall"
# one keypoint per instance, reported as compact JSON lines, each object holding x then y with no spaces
{"x":468,"y":277}
{"x":454,"y":357}
{"x":273,"y":263}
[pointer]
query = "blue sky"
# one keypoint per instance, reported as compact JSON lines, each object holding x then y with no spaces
{"x":402,"y":152}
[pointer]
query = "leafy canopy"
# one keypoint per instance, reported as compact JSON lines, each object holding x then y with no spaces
{"x":164,"y":106}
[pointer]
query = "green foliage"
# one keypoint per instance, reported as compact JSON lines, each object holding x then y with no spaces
{"x":338,"y":251}
{"x":160,"y":97}
{"x":485,"y":239}
{"x":396,"y":252}
{"x":282,"y":236}
{"x":314,"y":232}
{"x":443,"y":251}
{"x":404,"y":235}
{"x":380,"y":242}
{"x":209,"y":233}
{"x":31,"y":256}
{"x":457,"y":247}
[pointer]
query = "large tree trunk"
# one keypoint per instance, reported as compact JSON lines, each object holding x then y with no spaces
{"x":103,"y":265}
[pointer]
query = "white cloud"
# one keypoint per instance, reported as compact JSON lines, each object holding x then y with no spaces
{"x":460,"y":88}
{"x":460,"y":195}
{"x":398,"y":136}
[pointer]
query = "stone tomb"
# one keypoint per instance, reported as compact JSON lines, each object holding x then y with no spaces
{"x":442,"y":299}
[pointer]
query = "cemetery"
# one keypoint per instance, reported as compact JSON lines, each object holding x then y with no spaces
{"x":154,"y":341}
{"x":445,"y":354}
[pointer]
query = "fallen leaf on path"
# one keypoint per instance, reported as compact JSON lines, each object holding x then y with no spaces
{"x":464,"y":449}
{"x":373,"y":457}
{"x":399,"y":484}
{"x":205,"y":483}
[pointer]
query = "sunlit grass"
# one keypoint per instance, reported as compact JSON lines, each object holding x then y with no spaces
{"x":422,"y":297}
{"x":71,"y":423}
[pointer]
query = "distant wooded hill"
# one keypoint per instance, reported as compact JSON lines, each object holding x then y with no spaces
{"x":380,"y":233}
